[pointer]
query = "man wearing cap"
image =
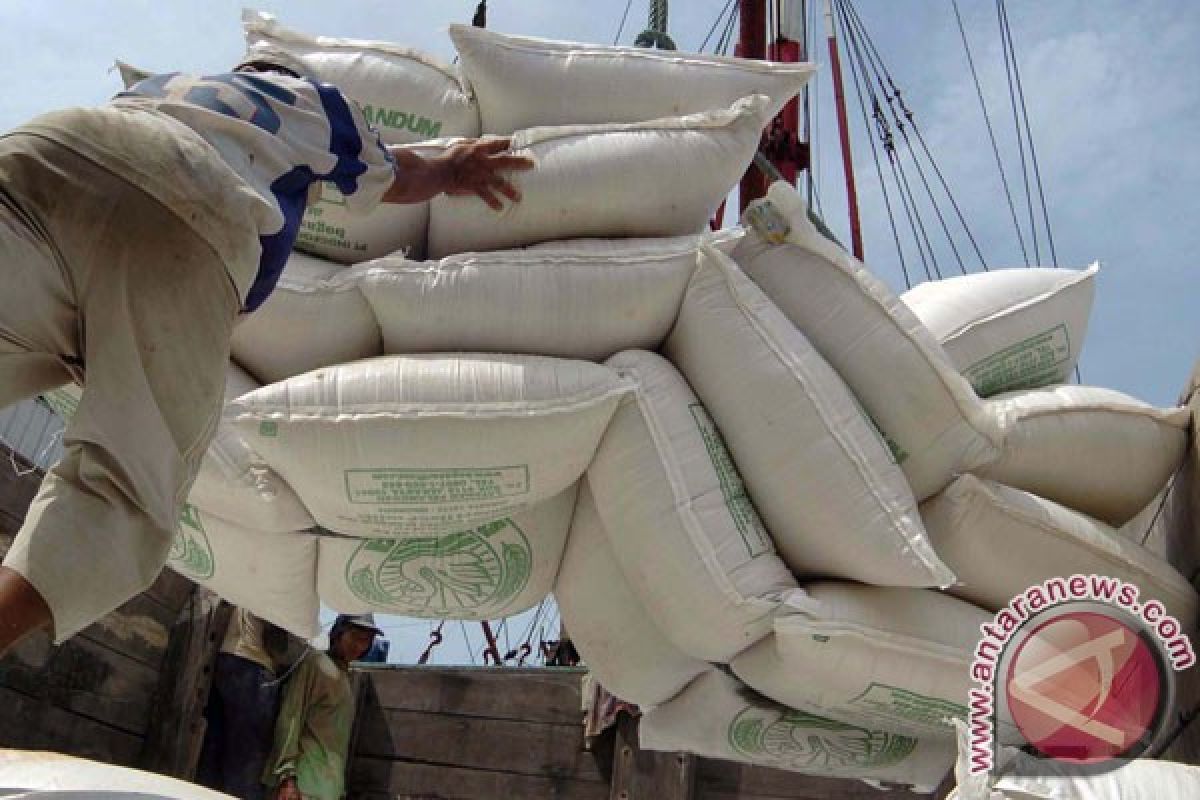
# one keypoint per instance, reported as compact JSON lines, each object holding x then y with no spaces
{"x":312,"y":734}
{"x":132,"y":236}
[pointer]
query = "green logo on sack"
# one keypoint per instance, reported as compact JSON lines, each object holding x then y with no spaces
{"x":808,"y":743}
{"x":268,"y":428}
{"x":191,"y":552}
{"x":424,"y":127}
{"x":470,"y":574}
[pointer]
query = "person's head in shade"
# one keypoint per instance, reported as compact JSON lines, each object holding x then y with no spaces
{"x":351,"y":637}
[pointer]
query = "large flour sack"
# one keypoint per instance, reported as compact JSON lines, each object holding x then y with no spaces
{"x":664,"y":177}
{"x":618,"y":641}
{"x":1094,"y":450}
{"x":409,"y":445}
{"x":42,"y":774}
{"x":898,"y":659}
{"x":408,"y":96}
{"x":817,"y":470}
{"x":1000,"y":541}
{"x":718,"y":717}
{"x":1010,"y":328}
{"x":686,"y":537}
{"x":272,"y":575}
{"x":488,"y":571}
{"x":585,"y":299}
{"x":316,"y":317}
{"x":523,"y":82}
{"x":934,"y":422}
{"x":233,"y":481}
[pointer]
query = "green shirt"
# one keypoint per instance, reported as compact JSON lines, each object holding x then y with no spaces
{"x":312,"y":734}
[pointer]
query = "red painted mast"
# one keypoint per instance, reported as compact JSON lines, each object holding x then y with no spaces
{"x":835,"y":64}
{"x":752,"y":43}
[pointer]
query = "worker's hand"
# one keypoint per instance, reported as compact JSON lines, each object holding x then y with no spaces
{"x":288,"y":790}
{"x":471,"y":167}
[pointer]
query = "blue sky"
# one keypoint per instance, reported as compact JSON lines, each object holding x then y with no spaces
{"x":1109,"y":86}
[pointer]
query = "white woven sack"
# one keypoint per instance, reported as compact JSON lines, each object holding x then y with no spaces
{"x":718,"y":717}
{"x":934,"y":422}
{"x":488,"y":571}
{"x":686,"y":537}
{"x":408,"y":96}
{"x":233,"y":481}
{"x":412,"y":445}
{"x":1020,"y":776}
{"x":272,"y":575}
{"x":1094,"y":450}
{"x":316,"y":317}
{"x":585,"y":299}
{"x":618,"y":641}
{"x":899,"y":659}
{"x":819,"y":473}
{"x":1009,"y":329}
{"x":522,"y":82}
{"x":44,"y":775}
{"x":1000,"y":541}
{"x":664,"y":177}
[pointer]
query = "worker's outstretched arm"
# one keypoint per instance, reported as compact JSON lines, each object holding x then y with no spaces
{"x":24,"y":610}
{"x":475,"y":166}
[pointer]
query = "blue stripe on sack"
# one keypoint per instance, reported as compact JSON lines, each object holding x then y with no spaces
{"x":291,"y":191}
{"x":344,"y":141}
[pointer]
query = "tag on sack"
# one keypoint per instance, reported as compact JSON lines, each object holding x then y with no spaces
{"x":768,"y":221}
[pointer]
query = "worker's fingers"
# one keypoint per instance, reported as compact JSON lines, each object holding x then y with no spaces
{"x":510,"y":163}
{"x":491,"y":146}
{"x":506,"y":188}
{"x":488,"y":196}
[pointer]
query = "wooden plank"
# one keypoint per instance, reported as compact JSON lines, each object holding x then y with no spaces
{"x":646,"y":773}
{"x":526,"y":748}
{"x":549,"y":695}
{"x":83,"y":677}
{"x":376,"y":779}
{"x":141,"y":629}
{"x":727,"y":780}
{"x":28,"y":723}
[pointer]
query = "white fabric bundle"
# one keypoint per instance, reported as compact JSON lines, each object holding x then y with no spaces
{"x":523,"y":82}
{"x":717,"y":717}
{"x":583,"y":299}
{"x":899,"y":659}
{"x":272,"y":575}
{"x":316,"y":317}
{"x":819,"y":473}
{"x":1094,"y":450}
{"x":664,"y":177}
{"x":934,"y":422}
{"x":409,"y":445}
{"x":45,"y":775}
{"x":686,"y":537}
{"x":1000,"y":541}
{"x":408,"y":96}
{"x":618,"y":641}
{"x":1010,"y":328}
{"x":497,"y":569}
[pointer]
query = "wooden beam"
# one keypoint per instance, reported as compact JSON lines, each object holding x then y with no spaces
{"x":728,"y":780}
{"x":30,"y":724}
{"x":641,"y":773}
{"x":377,"y":779}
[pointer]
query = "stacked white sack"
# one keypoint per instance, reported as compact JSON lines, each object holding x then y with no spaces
{"x":408,"y":96}
{"x":1094,"y":450}
{"x":430,"y":444}
{"x":663,"y":177}
{"x":523,"y":82}
{"x":1001,"y":541}
{"x":585,"y":299}
{"x":931,"y":417}
{"x":817,"y":470}
{"x":316,"y":317}
{"x":898,"y":659}
{"x":1009,"y":329}
{"x":619,"y":642}
{"x":718,"y":717}
{"x":234,"y":482}
{"x":42,"y":774}
{"x":687,"y":539}
{"x":497,"y":569}
{"x":272,"y":575}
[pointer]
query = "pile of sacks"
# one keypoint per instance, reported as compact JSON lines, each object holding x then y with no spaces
{"x":773,"y":500}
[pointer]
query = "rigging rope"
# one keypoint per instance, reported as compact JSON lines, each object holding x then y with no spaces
{"x":991,"y":134}
{"x":621,"y":27}
{"x":1012,"y":99}
{"x":727,"y":36}
{"x":715,"y":25}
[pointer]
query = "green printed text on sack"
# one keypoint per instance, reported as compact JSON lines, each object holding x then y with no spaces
{"x":893,"y":704}
{"x":754,"y":533}
{"x":394,"y":486}
{"x":1030,"y":363}
{"x":403,"y":121}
